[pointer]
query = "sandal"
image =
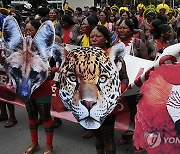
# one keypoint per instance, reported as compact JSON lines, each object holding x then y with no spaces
{"x":88,"y":134}
{"x":57,"y":122}
{"x":139,"y":151}
{"x":122,"y":142}
{"x":49,"y":150}
{"x":10,"y":123}
{"x":32,"y":148}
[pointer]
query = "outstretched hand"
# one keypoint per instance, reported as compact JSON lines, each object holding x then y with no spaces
{"x":177,"y":126}
{"x":138,"y":97}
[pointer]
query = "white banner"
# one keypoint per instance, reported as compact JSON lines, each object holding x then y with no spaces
{"x":138,"y":69}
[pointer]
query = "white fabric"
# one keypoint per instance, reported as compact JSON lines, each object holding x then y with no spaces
{"x":173,"y":103}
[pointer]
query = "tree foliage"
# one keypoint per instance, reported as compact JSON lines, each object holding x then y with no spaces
{"x":6,"y":2}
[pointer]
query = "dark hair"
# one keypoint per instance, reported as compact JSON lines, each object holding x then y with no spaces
{"x":151,"y":14}
{"x":92,"y":21}
{"x":55,"y":10}
{"x":164,"y":28}
{"x":43,"y":11}
{"x":129,"y":23}
{"x":44,"y":19}
{"x":123,"y":11}
{"x":61,"y":12}
{"x":162,"y":17}
{"x":35,"y":23}
{"x":178,"y":34}
{"x":135,"y":21}
{"x":114,"y":20}
{"x":79,"y":9}
{"x":31,"y":18}
{"x":161,"y":29}
{"x":106,"y":14}
{"x":155,"y":23}
{"x":105,"y":33}
{"x":68,"y":19}
{"x":69,"y":11}
{"x":4,"y":11}
{"x":93,"y":8}
{"x":18,"y":17}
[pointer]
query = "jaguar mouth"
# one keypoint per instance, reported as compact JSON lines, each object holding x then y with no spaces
{"x":90,"y":123}
{"x":89,"y":119}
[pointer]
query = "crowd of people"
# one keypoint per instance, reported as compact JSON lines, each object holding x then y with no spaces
{"x":144,"y":30}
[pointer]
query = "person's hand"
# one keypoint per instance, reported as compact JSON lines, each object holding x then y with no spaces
{"x":3,"y":60}
{"x":123,"y":87}
{"x":177,"y":126}
{"x":139,"y":97}
{"x":49,"y":73}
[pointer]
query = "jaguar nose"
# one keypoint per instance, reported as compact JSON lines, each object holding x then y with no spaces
{"x":88,"y":104}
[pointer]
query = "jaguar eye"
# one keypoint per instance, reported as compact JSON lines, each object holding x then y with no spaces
{"x":103,"y":78}
{"x":72,"y":77}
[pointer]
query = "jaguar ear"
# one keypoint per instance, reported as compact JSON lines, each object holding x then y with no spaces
{"x":12,"y":38}
{"x":116,"y":54}
{"x":61,"y":50}
{"x":44,"y":40}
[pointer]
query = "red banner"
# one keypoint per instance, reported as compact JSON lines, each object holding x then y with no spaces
{"x":8,"y":95}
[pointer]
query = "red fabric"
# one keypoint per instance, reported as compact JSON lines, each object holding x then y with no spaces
{"x":7,"y":92}
{"x":137,"y":35}
{"x":56,"y":102}
{"x":34,"y":136}
{"x":127,"y":41}
{"x":161,"y":45}
{"x":123,"y":87}
{"x":49,"y":139}
{"x":122,"y":116}
{"x":54,"y":69}
{"x":49,"y":135}
{"x":34,"y":132}
{"x":152,"y":114}
{"x":114,"y":111}
{"x":48,"y":123}
{"x":43,"y":90}
{"x":66,"y":35}
{"x":33,"y":122}
{"x":140,"y":18}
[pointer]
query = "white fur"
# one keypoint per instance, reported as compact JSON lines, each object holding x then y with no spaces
{"x":44,"y":46}
{"x":12,"y":36}
{"x":117,"y":50}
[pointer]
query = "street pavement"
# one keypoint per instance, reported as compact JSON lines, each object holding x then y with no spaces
{"x":67,"y":138}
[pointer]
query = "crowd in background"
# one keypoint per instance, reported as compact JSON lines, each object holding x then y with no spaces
{"x":144,"y":23}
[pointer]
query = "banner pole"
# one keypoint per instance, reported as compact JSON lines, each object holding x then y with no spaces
{"x":134,"y":2}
